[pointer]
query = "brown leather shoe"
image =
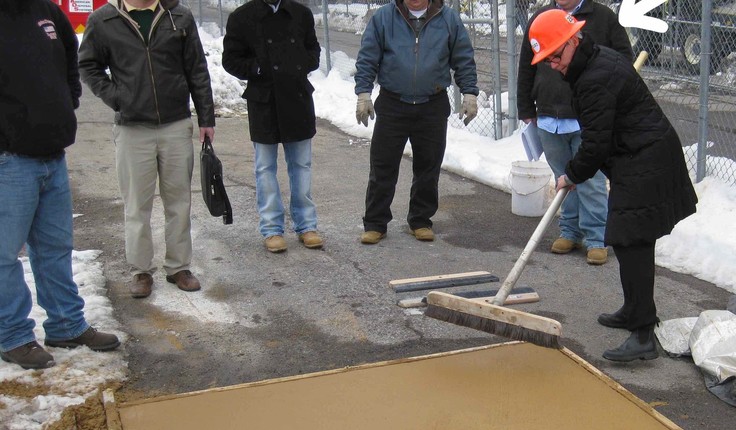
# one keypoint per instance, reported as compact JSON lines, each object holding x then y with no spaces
{"x":275,"y":243}
{"x":371,"y":237}
{"x":29,"y":356}
{"x":141,"y":286}
{"x":311,"y":240}
{"x":563,"y":245}
{"x":184,"y":280}
{"x":95,"y":340}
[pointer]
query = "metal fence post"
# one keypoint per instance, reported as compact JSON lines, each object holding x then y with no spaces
{"x":456,"y":93}
{"x":705,"y":59}
{"x":498,"y":129}
{"x":222,"y":22}
{"x":513,"y":60}
{"x":325,"y":23}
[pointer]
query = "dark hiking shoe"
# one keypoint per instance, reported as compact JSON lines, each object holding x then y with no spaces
{"x":29,"y":356}
{"x":184,"y":280}
{"x":95,"y":340}
{"x":641,"y":345}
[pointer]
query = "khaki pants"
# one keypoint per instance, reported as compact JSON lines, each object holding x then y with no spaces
{"x":143,"y":154}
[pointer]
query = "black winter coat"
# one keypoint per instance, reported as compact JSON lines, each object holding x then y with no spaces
{"x":541,"y":90}
{"x":626,"y":135}
{"x":274,"y":52}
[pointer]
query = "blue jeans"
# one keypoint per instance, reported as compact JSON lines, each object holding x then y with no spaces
{"x":36,"y":210}
{"x":303,"y":212}
{"x":585,"y":210}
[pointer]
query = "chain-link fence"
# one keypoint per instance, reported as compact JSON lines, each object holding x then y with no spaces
{"x":691,"y":68}
{"x":691,"y":73}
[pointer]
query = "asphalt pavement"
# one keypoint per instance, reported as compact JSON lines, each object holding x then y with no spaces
{"x":261,"y":315}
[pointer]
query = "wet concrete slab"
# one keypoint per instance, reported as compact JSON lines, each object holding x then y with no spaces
{"x":504,"y":386}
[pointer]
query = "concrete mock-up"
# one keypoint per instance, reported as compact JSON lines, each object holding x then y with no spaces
{"x":505,"y":386}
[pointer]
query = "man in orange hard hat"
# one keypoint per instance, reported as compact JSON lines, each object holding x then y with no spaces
{"x":626,"y":135}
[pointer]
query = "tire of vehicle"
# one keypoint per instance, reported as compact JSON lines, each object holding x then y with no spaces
{"x":691,"y":48}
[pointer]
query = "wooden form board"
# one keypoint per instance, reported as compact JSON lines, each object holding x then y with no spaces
{"x":505,"y":386}
{"x":441,"y":281}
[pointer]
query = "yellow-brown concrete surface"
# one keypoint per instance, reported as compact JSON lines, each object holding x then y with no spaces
{"x":507,"y":386}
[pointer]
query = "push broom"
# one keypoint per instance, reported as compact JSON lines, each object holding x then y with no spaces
{"x":493,"y":317}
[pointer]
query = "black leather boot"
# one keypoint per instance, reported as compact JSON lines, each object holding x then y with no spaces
{"x":615,"y":320}
{"x":640,"y":345}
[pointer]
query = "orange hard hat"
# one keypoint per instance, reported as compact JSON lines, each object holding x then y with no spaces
{"x":550,"y":30}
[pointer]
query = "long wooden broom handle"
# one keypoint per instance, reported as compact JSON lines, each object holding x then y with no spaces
{"x":510,"y":281}
{"x":640,"y":60}
{"x":515,"y":272}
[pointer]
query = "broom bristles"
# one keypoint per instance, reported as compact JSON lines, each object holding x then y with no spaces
{"x":492,"y":326}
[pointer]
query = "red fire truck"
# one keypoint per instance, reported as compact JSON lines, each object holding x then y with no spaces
{"x":78,"y":11}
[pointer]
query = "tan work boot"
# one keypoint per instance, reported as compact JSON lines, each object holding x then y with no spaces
{"x":563,"y":246}
{"x":597,"y":256}
{"x":424,"y":234}
{"x":275,"y":243}
{"x":371,"y":237}
{"x":311,"y":240}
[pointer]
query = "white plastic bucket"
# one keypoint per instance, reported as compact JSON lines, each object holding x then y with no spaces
{"x":529,"y":186}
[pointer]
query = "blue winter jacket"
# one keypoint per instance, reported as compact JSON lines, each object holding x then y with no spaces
{"x":414,"y":67}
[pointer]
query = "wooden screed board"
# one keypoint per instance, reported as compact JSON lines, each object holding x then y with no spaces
{"x":506,"y":386}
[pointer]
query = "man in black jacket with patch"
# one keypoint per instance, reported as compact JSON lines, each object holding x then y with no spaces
{"x":39,"y":90}
{"x":272,"y":44}
{"x":626,"y":135}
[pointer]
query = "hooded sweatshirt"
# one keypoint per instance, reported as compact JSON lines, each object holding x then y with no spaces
{"x":39,"y":80}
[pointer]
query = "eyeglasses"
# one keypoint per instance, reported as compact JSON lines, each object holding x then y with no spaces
{"x":557,"y":57}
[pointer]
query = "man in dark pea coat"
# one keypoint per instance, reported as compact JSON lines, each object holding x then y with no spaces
{"x":272,"y":45}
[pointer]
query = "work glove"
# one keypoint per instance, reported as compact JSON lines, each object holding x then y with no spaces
{"x":470,"y":108}
{"x":364,"y":109}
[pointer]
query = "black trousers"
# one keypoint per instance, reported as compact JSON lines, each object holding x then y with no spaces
{"x":636,"y":268}
{"x":425,"y":126}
